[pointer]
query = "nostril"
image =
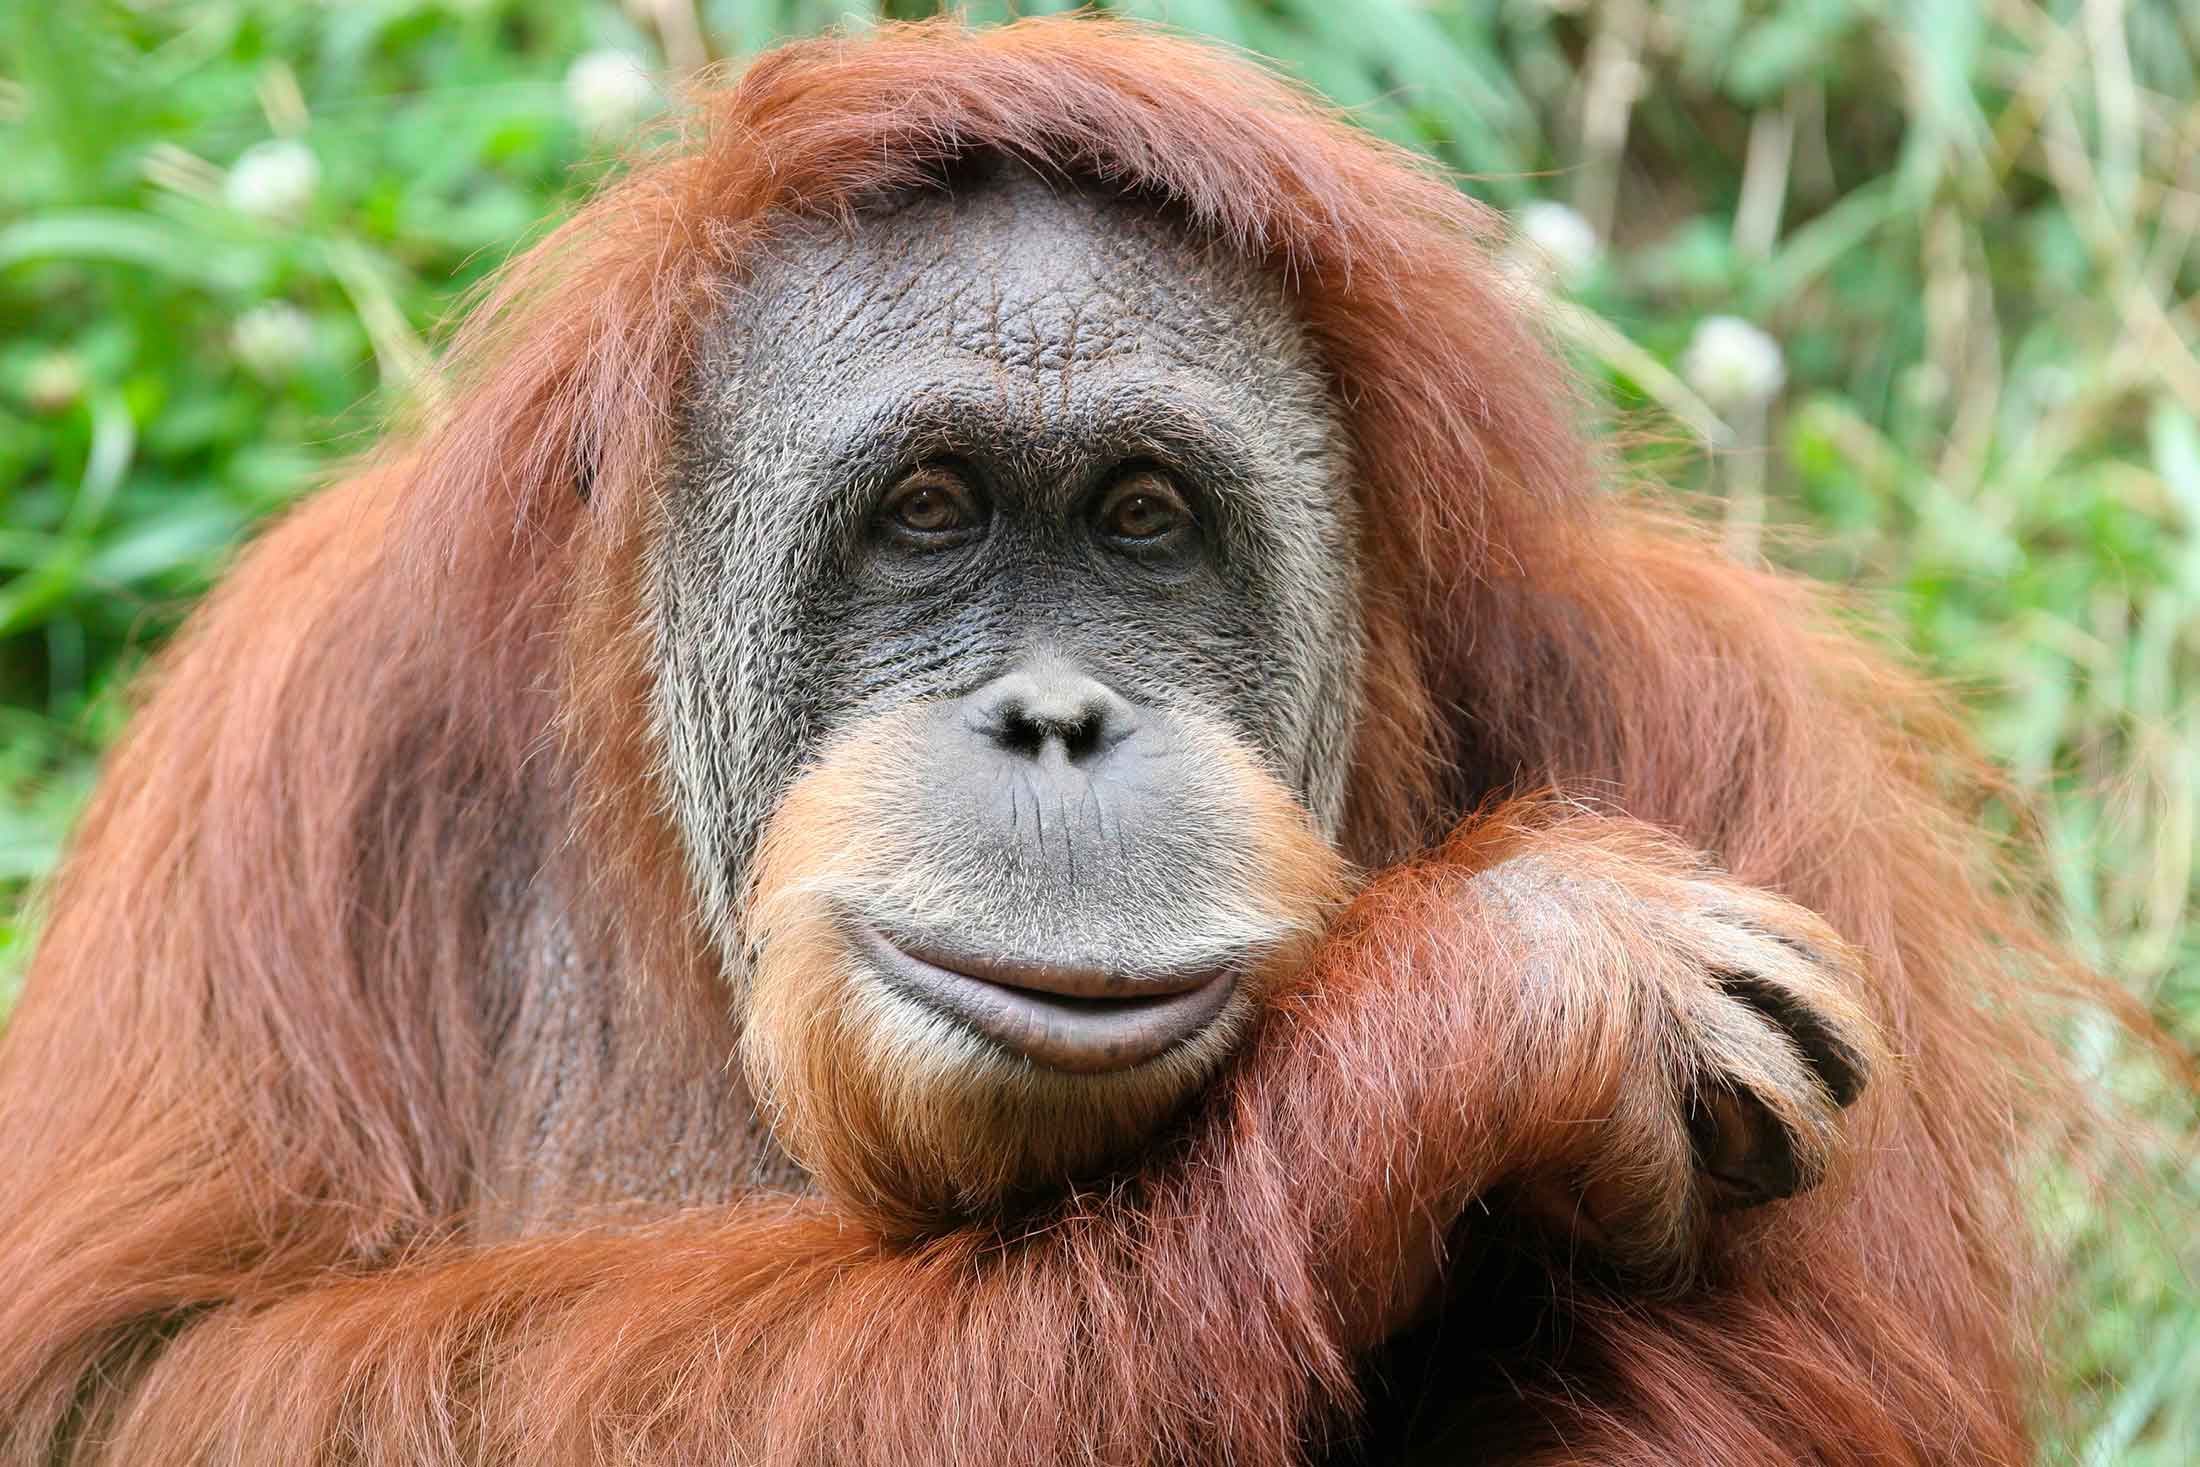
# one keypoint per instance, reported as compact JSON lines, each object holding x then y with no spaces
{"x":1081,"y":738}
{"x":1015,"y":730}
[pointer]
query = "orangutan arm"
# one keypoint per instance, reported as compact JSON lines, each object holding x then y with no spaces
{"x":1546,"y":998}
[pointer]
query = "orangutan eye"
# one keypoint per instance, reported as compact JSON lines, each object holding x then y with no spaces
{"x":935,"y":506}
{"x":1143,"y":506}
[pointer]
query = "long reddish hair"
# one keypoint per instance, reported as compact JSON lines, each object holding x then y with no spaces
{"x":252,"y":1049}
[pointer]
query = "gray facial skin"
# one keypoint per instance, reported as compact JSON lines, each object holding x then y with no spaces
{"x":1035,"y":343}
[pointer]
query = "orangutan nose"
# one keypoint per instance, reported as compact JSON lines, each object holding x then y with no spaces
{"x":1048,"y":705}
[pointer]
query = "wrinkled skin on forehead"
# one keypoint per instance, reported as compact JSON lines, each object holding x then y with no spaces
{"x":1040,"y":339}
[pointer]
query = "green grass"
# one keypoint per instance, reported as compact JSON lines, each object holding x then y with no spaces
{"x":1969,"y":225}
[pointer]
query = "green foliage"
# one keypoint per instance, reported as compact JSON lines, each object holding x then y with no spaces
{"x":1968,"y":226}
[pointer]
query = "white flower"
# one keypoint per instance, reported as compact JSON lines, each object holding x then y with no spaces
{"x":609,"y":91}
{"x":274,"y":181}
{"x":54,"y":382}
{"x":272,"y":339}
{"x":1733,"y":364}
{"x":1566,"y":241}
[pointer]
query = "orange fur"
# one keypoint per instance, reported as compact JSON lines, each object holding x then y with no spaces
{"x":242,"y":1097}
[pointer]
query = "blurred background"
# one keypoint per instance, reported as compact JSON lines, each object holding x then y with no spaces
{"x":1908,"y":292}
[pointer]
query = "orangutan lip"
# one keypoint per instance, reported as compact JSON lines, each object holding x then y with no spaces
{"x":1082,"y":1020}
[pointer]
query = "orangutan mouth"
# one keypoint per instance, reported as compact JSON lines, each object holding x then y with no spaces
{"x":1086,"y":1020}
